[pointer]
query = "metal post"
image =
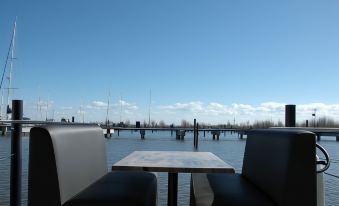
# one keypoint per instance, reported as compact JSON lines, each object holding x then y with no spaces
{"x":15,"y":188}
{"x":172,"y":189}
{"x":195,"y":133}
{"x":306,"y":123}
{"x":197,"y":142}
{"x":290,"y":115}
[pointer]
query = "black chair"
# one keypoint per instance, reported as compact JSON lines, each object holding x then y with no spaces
{"x":279,"y":168}
{"x":68,"y":167}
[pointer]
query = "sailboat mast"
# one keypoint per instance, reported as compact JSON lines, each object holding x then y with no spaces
{"x":11,"y":69}
{"x":82,"y":112}
{"x":109,"y":96}
{"x":2,"y":103}
{"x":149,"y":107}
{"x":120,"y":108}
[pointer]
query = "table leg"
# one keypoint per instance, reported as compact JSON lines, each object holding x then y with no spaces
{"x":172,"y":189}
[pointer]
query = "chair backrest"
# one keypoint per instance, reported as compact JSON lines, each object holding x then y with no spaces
{"x":281,"y":164}
{"x":63,"y":160}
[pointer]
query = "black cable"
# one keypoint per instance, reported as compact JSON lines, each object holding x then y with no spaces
{"x":331,"y":175}
{"x":332,"y":160}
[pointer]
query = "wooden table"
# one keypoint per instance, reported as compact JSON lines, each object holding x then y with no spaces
{"x":173,"y":162}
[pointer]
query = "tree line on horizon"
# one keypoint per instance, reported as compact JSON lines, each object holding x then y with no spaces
{"x":326,"y":122}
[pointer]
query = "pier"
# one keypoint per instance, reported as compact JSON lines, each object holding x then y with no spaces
{"x":319,"y":132}
{"x":180,"y":133}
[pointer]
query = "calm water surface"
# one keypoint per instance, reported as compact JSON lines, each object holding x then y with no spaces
{"x":229,"y":148}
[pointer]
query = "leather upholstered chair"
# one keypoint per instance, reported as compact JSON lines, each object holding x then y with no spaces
{"x":68,"y":167}
{"x":279,"y":169}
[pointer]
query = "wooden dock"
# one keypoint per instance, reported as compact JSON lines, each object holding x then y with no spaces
{"x":180,"y":133}
{"x":319,"y":131}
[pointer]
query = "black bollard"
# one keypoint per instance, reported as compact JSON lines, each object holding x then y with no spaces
{"x":290,"y":115}
{"x":306,"y":123}
{"x":15,"y":188}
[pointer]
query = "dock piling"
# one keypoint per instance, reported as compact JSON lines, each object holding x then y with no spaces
{"x":142,"y":134}
{"x":180,"y":134}
{"x":3,"y":130}
{"x":196,"y":133}
{"x":290,"y":115}
{"x":108,"y":133}
{"x":15,"y":184}
{"x":318,"y":137}
{"x":215,"y":135}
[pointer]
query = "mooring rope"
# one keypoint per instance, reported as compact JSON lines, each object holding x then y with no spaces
{"x":332,"y":175}
{"x":3,"y":158}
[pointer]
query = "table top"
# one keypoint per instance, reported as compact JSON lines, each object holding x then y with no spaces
{"x":173,"y":162}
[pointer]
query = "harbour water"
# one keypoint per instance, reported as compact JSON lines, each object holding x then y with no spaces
{"x":229,"y":148}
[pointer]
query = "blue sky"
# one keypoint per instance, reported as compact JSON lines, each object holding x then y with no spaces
{"x":210,"y":60}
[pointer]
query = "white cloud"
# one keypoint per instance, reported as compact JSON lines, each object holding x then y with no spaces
{"x":272,"y":106}
{"x":97,"y":105}
{"x":191,"y":106}
{"x":125,"y":105}
{"x":247,"y":112}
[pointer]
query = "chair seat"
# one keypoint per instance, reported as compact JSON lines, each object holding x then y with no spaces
{"x":227,"y":189}
{"x":119,"y":188}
